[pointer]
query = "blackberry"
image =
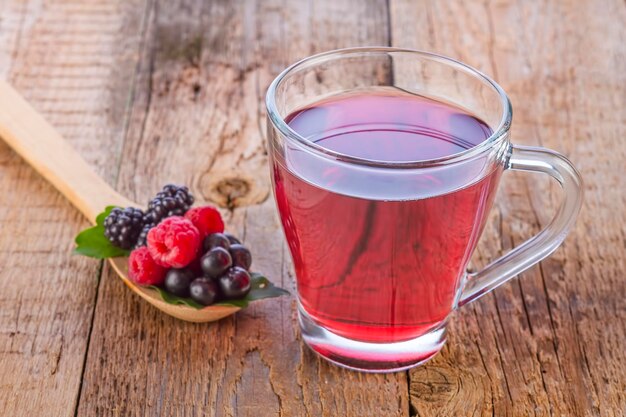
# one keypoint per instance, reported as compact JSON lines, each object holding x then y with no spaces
{"x":142,"y":239}
{"x":172,"y":200}
{"x":123,"y":226}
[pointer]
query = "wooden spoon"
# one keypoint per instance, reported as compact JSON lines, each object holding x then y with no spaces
{"x":32,"y":137}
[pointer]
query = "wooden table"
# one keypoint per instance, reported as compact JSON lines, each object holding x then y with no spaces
{"x":150,"y":92}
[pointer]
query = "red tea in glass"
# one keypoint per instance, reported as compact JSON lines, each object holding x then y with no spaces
{"x":385,"y":163}
{"x":357,"y":258}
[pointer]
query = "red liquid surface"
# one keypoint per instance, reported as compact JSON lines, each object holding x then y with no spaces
{"x":373,"y":269}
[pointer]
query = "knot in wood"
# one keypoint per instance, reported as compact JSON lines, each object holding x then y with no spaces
{"x":434,"y":385}
{"x":233,"y":190}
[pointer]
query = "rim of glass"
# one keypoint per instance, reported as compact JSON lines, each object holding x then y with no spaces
{"x":279,"y":122}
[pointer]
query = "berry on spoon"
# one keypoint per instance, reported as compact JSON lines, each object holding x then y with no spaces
{"x":233,"y":240}
{"x":143,"y":270}
{"x":215,"y":240}
{"x":177,"y":281}
{"x":241,"y":256}
{"x":123,"y":226}
{"x":215,"y":262}
{"x":174,"y":242}
{"x":207,"y":220}
{"x":235,"y":283}
{"x":204,"y":291}
{"x":172,"y":200}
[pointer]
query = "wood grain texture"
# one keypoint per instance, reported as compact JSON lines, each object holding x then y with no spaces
{"x":173,"y":91}
{"x":197,"y":117}
{"x":552,"y":342}
{"x":70,"y":60}
{"x":40,"y":145}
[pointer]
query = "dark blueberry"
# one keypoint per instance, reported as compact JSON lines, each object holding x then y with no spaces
{"x":177,"y":281}
{"x":241,"y":256}
{"x":232,"y":238}
{"x":204,"y":291}
{"x":215,"y":240}
{"x":235,"y":283}
{"x":215,"y":262}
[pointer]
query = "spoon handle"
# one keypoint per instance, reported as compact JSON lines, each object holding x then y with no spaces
{"x":35,"y":140}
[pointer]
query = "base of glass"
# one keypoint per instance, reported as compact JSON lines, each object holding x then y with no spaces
{"x":366,"y":356}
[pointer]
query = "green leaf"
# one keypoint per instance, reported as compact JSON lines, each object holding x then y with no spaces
{"x":261,"y":288}
{"x":176,"y":300}
{"x":93,"y":243}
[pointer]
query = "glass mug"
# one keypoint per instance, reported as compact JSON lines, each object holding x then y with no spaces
{"x":381,"y":226}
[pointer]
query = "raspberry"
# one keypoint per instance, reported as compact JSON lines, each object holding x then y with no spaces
{"x":174,"y":242}
{"x":143,"y":270}
{"x":207,"y":219}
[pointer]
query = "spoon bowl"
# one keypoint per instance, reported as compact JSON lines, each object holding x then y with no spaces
{"x":35,"y":140}
{"x":183,"y":312}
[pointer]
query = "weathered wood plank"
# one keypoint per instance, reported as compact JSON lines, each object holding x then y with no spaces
{"x":552,"y":342}
{"x":198,"y":118}
{"x":74,"y":62}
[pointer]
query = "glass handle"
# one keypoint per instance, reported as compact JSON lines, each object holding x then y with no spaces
{"x":524,"y":158}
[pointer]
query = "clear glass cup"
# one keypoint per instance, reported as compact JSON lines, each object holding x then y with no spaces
{"x":395,"y":321}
